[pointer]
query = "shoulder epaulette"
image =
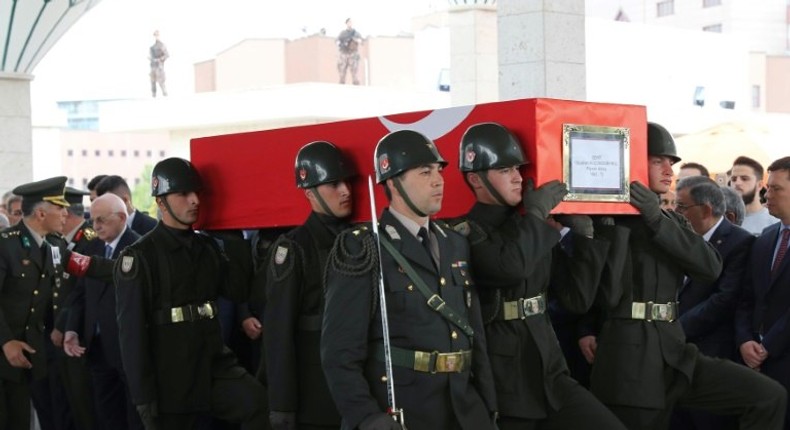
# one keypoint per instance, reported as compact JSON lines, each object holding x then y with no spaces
{"x":7,"y":234}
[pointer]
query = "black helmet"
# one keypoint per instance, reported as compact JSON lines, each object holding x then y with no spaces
{"x":660,"y":142}
{"x":174,"y":175}
{"x":402,"y":150}
{"x":319,"y":163}
{"x":489,"y":145}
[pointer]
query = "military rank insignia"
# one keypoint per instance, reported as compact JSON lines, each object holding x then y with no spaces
{"x":392,"y":232}
{"x":89,"y":233}
{"x":280,"y":255}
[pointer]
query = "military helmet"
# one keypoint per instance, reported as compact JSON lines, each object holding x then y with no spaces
{"x":174,"y":175}
{"x":319,"y":163}
{"x":489,"y":145}
{"x":402,"y":150}
{"x":660,"y":142}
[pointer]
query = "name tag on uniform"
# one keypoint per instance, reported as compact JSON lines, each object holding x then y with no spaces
{"x":55,"y":255}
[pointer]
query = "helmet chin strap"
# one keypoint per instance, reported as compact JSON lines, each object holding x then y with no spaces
{"x":484,"y":178}
{"x":398,"y":186}
{"x":170,"y":211}
{"x":322,"y":202}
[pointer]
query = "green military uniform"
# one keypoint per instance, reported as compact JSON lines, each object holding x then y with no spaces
{"x":30,"y":269}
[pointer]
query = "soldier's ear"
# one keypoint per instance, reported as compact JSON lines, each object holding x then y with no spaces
{"x":309,"y":193}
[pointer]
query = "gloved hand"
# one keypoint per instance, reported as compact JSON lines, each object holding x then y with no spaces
{"x":148,"y":414}
{"x":379,"y":422}
{"x":541,"y":201}
{"x":579,"y":224}
{"x":644,"y":199}
{"x":282,"y":420}
{"x":603,"y":220}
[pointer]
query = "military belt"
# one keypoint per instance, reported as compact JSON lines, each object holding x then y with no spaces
{"x":650,"y":311}
{"x":187,"y":313}
{"x":520,"y":309}
{"x":428,"y":362}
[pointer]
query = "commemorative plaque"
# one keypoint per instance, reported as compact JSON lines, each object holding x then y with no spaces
{"x":596,"y":162}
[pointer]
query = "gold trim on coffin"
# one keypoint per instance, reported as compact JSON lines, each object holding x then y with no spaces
{"x":622,"y":134}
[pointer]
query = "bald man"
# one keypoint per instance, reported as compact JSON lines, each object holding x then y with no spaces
{"x":91,"y":327}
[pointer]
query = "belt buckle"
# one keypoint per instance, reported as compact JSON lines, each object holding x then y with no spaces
{"x":422,"y":361}
{"x":177,"y":315}
{"x":510,"y":311}
{"x":532,"y":306}
{"x":449,"y":362}
{"x":662,"y":312}
{"x":435,"y":302}
{"x":639,"y":311}
{"x":206,"y":310}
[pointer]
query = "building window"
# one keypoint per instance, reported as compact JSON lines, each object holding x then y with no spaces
{"x":71,"y":181}
{"x":123,"y":153}
{"x":110,"y":153}
{"x":97,"y":153}
{"x":715,"y":28}
{"x":70,"y":152}
{"x":666,"y":7}
{"x":711,"y":3}
{"x":84,"y":182}
{"x":148,"y":153}
{"x":756,"y":96}
{"x":136,"y":181}
{"x":162,"y":154}
{"x":84,"y":152}
{"x":136,"y":153}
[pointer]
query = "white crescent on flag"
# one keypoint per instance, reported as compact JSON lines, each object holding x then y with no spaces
{"x":434,"y":125}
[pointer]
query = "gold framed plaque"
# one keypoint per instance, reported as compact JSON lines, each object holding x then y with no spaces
{"x":596,"y":163}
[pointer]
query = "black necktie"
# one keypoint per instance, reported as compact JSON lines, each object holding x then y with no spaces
{"x":426,"y":243}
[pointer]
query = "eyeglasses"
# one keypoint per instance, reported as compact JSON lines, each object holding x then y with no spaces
{"x":16,"y":213}
{"x":683,"y":208}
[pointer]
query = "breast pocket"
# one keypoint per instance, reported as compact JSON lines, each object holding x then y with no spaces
{"x":398,"y":286}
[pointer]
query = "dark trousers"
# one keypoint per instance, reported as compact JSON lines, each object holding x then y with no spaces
{"x":237,"y":400}
{"x":77,"y":382}
{"x":580,"y":409}
{"x":49,"y":396}
{"x":686,"y":419}
{"x":15,"y":404}
{"x":113,"y":404}
{"x":718,"y":386}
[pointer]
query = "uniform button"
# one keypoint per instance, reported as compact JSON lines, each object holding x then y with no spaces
{"x":400,"y":269}
{"x":454,"y":334}
{"x":55,"y":294}
{"x":410,"y":288}
{"x":32,"y":310}
{"x":442,"y":282}
{"x":384,"y":378}
{"x":43,"y":275}
{"x":466,"y":282}
{"x":27,"y":327}
{"x":23,"y":275}
{"x":35,"y":292}
{"x":54,"y":307}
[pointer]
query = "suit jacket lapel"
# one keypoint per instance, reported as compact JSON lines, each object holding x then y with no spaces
{"x":764,"y":246}
{"x":775,"y":275}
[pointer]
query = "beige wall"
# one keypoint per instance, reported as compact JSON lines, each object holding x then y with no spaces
{"x":311,"y":59}
{"x":205,"y":76}
{"x":757,"y":76}
{"x":776,"y":77}
{"x":390,"y":62}
{"x":251,"y":64}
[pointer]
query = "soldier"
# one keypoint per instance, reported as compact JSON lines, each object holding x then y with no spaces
{"x":167,"y":284}
{"x":442,"y":377}
{"x":643,"y":366}
{"x":30,"y":269}
{"x":294,"y":293}
{"x":157,"y":54}
{"x":514,"y":258}
{"x":348,"y":46}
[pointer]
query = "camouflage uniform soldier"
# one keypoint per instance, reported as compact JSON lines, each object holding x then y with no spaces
{"x":158,"y":54}
{"x":348,"y":43}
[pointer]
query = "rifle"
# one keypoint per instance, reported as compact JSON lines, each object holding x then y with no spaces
{"x":397,"y":414}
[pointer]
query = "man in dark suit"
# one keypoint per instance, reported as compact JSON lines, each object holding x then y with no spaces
{"x":708,"y":309}
{"x":514,"y":258}
{"x":441,"y":374}
{"x":92,"y":320}
{"x":643,"y":366}
{"x":295,"y":293}
{"x":763,"y":317}
{"x":30,"y":269}
{"x":138,"y":221}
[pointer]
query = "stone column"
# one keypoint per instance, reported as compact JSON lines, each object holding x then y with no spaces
{"x":541,"y":49}
{"x":473,"y":53}
{"x":16,"y":159}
